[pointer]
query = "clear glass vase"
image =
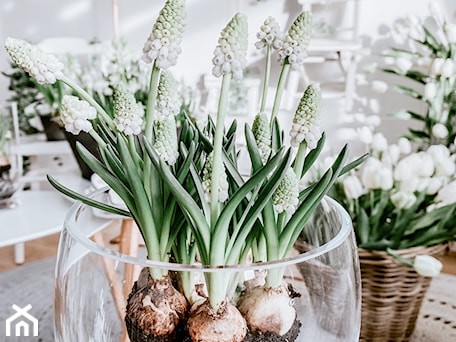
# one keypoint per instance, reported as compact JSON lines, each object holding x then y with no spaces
{"x":94,"y":280}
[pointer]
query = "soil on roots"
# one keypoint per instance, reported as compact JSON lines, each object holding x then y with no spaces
{"x":182,"y":335}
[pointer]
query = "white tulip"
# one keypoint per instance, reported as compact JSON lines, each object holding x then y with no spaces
{"x":445,"y":168}
{"x":376,"y":176}
{"x":391,"y":156}
{"x":352,"y":187}
{"x":403,"y":64}
{"x":427,"y":265}
{"x":439,"y":131}
{"x":430,"y":90}
{"x":406,"y":167}
{"x":379,"y":142}
{"x":404,"y":145}
{"x":436,"y":66}
{"x":447,"y":194}
{"x":438,"y":152}
{"x":423,"y":184}
{"x":450,"y":32}
{"x":373,"y":120}
{"x":426,"y":166}
{"x":447,"y":69}
{"x":379,"y":86}
{"x":434,"y":185}
{"x":410,"y":184}
{"x":365,"y":135}
{"x":403,"y":199}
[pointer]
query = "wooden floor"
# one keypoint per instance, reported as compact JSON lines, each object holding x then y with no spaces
{"x":47,"y":247}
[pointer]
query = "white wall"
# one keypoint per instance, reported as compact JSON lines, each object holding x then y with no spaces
{"x":35,"y":20}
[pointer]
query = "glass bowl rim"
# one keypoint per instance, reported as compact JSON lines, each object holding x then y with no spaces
{"x":71,"y":226}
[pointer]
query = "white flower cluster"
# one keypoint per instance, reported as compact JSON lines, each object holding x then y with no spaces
{"x":262,"y":133}
{"x":128,"y":115}
{"x":231,"y":50}
{"x":405,"y":174}
{"x":76,"y":114}
{"x":167,"y":96}
{"x":43,"y":67}
{"x":285,"y":198}
{"x":293,"y":48}
{"x":306,"y":121}
{"x":166,"y":139}
{"x":207,"y":180}
{"x":163,"y":43}
{"x":269,"y":34}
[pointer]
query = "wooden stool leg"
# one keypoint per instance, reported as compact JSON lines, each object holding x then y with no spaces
{"x":128,"y":244}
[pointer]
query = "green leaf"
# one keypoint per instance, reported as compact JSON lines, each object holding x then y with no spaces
{"x":86,"y":200}
{"x":362,"y":227}
{"x":312,"y":156}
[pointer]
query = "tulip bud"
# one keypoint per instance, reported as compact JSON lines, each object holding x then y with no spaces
{"x":439,"y":131}
{"x":447,"y":69}
{"x":427,"y":265}
{"x":352,"y":187}
{"x":430,"y":90}
{"x":403,"y":199}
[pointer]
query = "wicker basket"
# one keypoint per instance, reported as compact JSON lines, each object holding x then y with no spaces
{"x":392,"y":294}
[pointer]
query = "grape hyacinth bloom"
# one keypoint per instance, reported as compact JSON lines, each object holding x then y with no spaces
{"x":262,"y":133}
{"x":230,"y":53}
{"x":306,"y":121}
{"x":163,"y":43}
{"x":285,"y":198}
{"x":207,"y":180}
{"x":76,"y":114}
{"x":269,"y":34}
{"x":166,"y":139}
{"x":128,"y":113}
{"x":43,"y":67}
{"x":293,"y":49}
{"x":167,"y":96}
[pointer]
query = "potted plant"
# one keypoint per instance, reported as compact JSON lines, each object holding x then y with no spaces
{"x":403,"y":208}
{"x":192,"y":206}
{"x":423,"y":60}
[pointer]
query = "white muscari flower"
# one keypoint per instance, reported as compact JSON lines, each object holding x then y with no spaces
{"x":262,"y":133}
{"x":76,"y":113}
{"x":403,"y":199}
{"x":427,"y":265}
{"x":43,"y":67}
{"x":231,"y":50}
{"x":306,"y":122}
{"x":285,"y":198}
{"x":167,"y":96}
{"x":439,"y":131}
{"x":294,"y":46}
{"x":163,"y":43}
{"x":430,"y":90}
{"x":379,"y":86}
{"x":353,"y":188}
{"x":269,"y":34}
{"x":207,"y":180}
{"x":128,"y":114}
{"x":166,"y":139}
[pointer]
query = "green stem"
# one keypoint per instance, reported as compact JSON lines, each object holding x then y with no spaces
{"x":217,"y":166}
{"x":300,"y":159}
{"x":267,"y":73}
{"x":279,"y":91}
{"x":100,"y":142}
